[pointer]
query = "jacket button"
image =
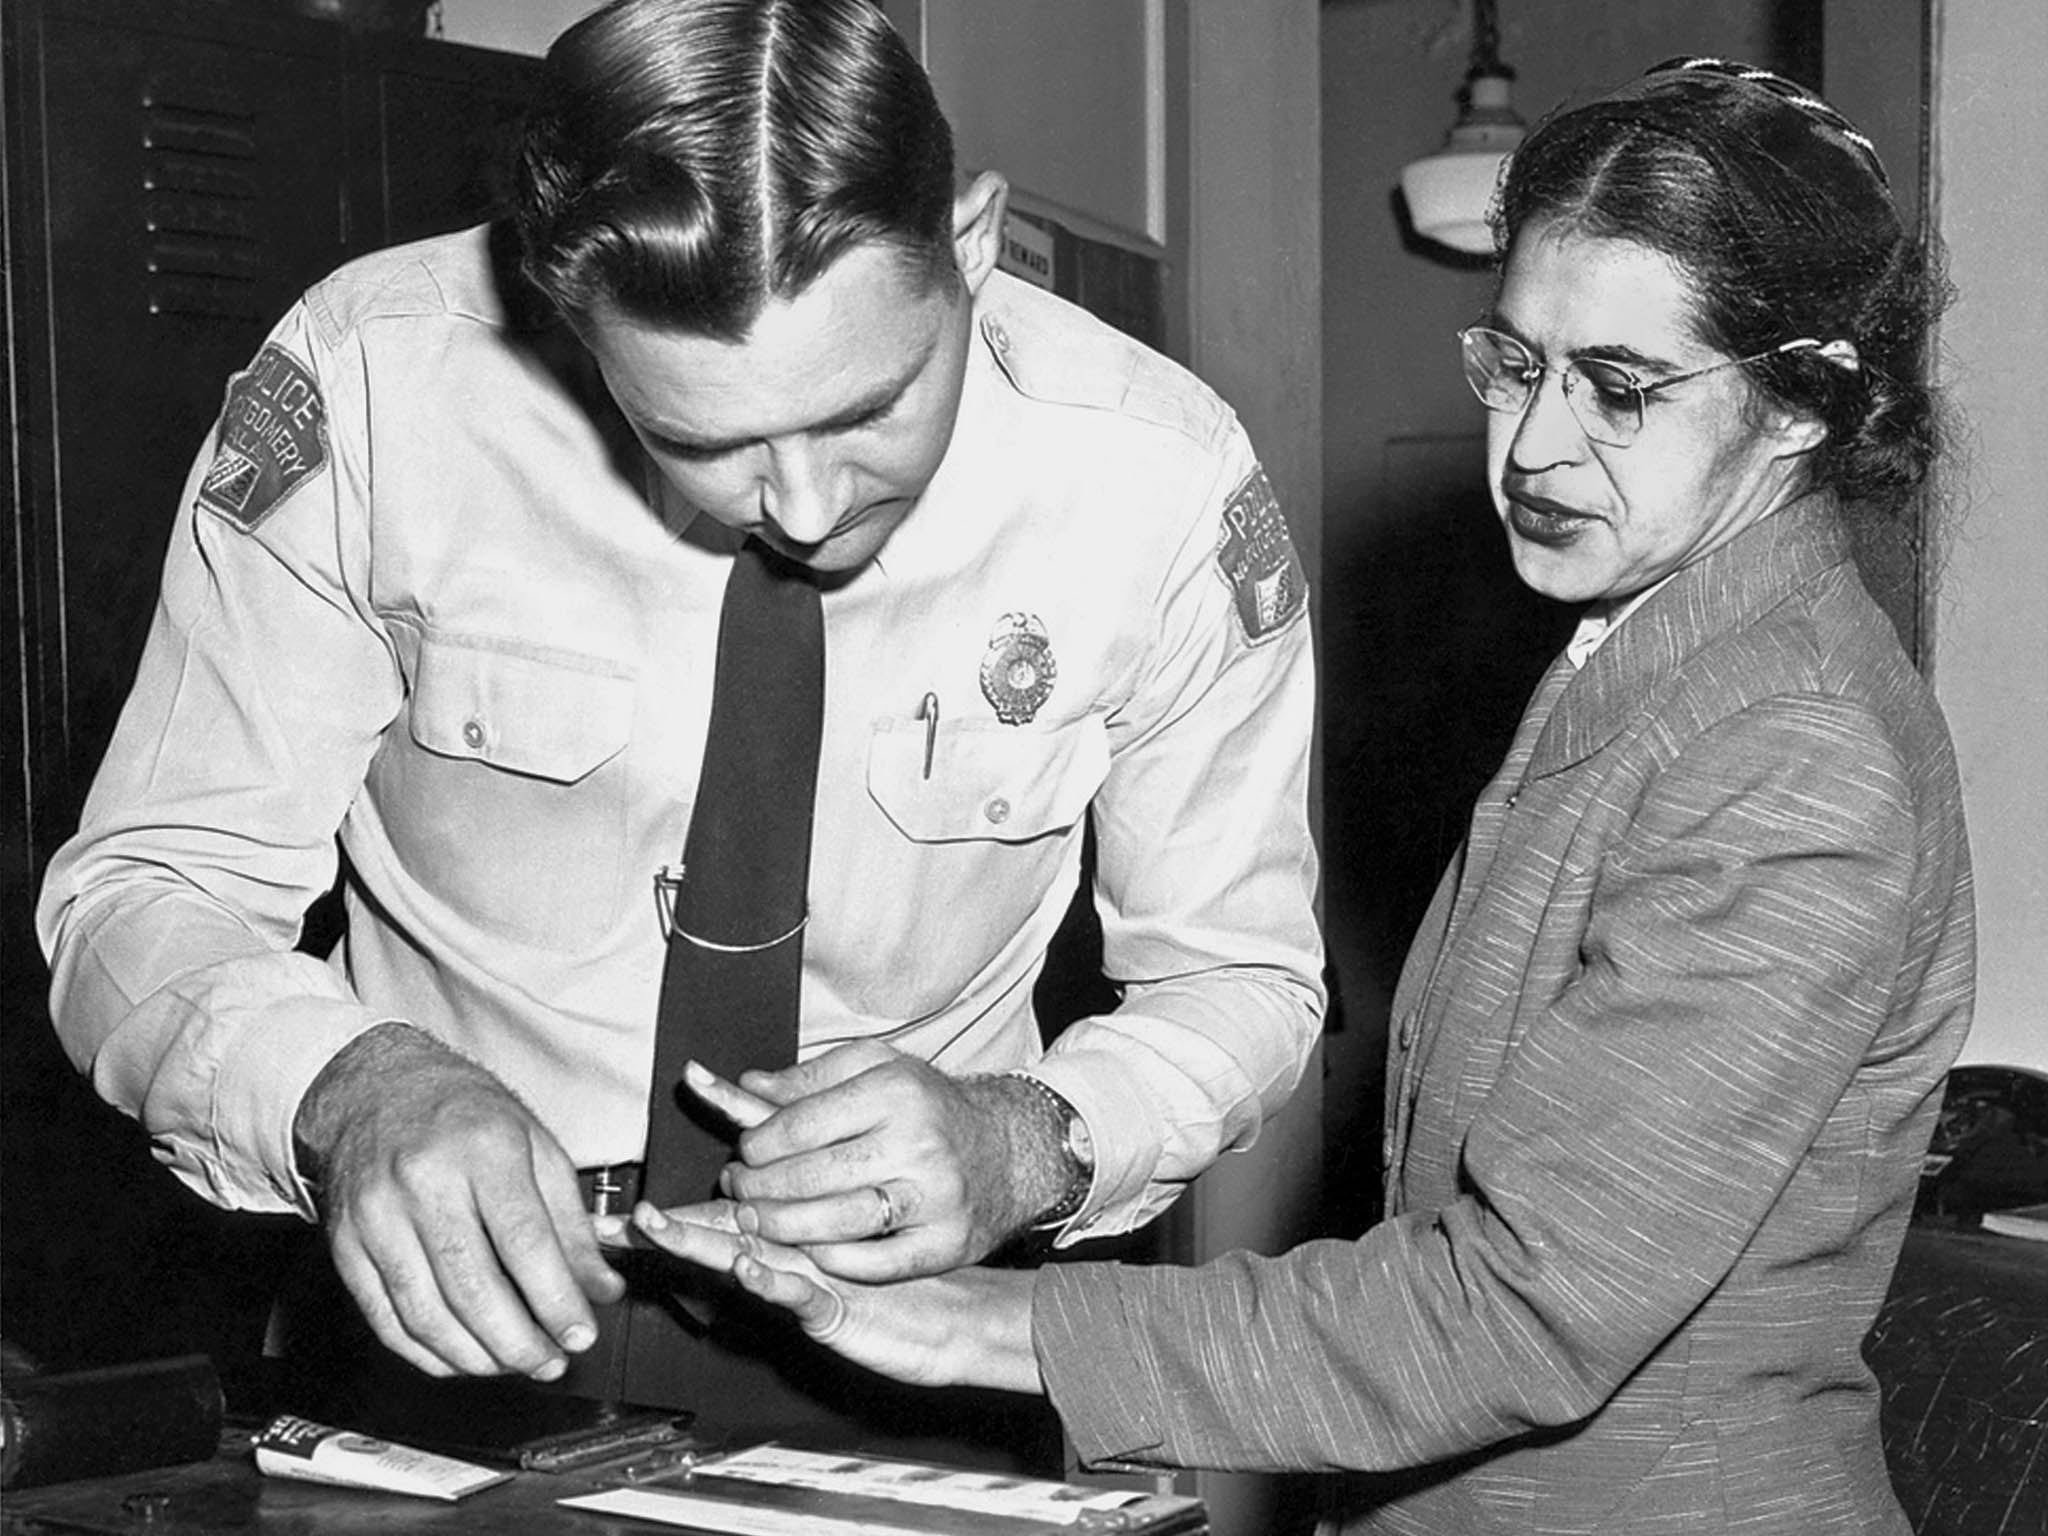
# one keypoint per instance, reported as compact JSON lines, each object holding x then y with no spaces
{"x":473,"y":734}
{"x":1407,"y":1031}
{"x":997,"y":810}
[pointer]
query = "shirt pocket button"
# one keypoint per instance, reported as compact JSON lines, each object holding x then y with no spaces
{"x":473,"y":735}
{"x":997,"y":810}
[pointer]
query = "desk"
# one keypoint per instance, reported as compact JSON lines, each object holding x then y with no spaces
{"x":774,"y":1489}
{"x":228,"y":1495}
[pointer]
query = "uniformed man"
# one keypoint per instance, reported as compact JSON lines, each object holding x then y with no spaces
{"x":445,"y":588}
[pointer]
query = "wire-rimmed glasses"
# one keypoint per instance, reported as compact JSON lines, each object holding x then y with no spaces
{"x":1605,"y":399}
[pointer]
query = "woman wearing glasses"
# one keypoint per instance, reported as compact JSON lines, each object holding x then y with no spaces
{"x":1669,"y":1044}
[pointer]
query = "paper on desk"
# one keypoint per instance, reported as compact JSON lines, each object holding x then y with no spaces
{"x":670,"y":1507}
{"x":907,"y":1482}
{"x":2021,"y":1221}
{"x":916,"y":1482}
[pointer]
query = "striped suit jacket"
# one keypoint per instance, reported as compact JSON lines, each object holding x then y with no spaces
{"x":1667,"y":1052}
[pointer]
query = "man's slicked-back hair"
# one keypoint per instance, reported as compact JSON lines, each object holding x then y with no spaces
{"x":687,"y":161}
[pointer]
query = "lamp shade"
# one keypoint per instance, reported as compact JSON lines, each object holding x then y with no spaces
{"x":1449,"y":192}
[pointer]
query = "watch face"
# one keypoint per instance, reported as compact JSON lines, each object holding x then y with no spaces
{"x":1081,"y":1154}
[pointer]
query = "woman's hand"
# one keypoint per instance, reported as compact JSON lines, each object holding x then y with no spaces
{"x":969,"y":1327}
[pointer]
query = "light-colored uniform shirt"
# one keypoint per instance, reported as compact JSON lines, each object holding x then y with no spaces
{"x":425,"y":592}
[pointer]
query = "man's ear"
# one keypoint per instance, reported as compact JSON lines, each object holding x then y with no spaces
{"x":978,"y":227}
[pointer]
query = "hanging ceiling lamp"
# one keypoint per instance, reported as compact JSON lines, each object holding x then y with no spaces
{"x":1448,"y":192}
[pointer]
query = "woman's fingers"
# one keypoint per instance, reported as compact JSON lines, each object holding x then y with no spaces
{"x":821,"y":1310}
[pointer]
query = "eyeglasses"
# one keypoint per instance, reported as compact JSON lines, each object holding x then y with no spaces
{"x":1605,"y":398}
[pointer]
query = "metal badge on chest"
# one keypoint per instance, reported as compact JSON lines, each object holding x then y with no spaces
{"x":1018,"y":670}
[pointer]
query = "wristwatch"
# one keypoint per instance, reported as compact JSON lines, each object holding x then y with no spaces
{"x":1077,"y":1146}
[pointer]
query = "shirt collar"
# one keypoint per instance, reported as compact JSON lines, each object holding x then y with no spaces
{"x":1602,"y":619}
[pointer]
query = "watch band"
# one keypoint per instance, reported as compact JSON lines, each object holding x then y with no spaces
{"x":1075,"y":1143}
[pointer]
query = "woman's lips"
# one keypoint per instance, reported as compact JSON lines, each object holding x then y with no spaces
{"x":1543,"y":521}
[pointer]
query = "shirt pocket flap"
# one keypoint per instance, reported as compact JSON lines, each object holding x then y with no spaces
{"x":555,"y":716}
{"x":987,"y":781}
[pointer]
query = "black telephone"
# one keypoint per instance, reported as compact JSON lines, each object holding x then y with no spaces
{"x":1990,"y":1147}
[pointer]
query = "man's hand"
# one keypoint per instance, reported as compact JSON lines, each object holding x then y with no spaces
{"x":882,"y":1167}
{"x":971,"y":1327}
{"x":453,"y":1216}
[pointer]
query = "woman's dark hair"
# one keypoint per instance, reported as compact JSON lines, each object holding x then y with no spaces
{"x":688,"y":160}
{"x":1780,"y":216}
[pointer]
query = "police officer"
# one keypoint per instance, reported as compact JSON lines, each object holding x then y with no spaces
{"x":444,"y":592}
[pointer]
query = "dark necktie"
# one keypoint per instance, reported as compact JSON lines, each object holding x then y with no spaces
{"x":729,"y":989}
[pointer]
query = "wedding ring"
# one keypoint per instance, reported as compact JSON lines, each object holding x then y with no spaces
{"x":888,"y":1210}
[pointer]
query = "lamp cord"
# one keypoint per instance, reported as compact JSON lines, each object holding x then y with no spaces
{"x":1486,"y":43}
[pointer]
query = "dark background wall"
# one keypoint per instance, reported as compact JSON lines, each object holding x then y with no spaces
{"x":176,"y":171}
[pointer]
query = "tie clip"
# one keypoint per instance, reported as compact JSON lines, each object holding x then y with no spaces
{"x":668,"y":880}
{"x":668,"y":883}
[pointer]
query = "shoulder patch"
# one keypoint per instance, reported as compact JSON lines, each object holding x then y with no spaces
{"x":1256,"y":558}
{"x":273,"y":438}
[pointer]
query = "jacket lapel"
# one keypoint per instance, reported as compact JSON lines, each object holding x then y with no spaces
{"x":1725,"y":591}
